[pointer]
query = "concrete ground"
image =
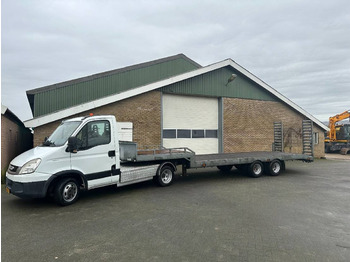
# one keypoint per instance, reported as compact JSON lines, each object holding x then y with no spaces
{"x":301,"y":215}
{"x":337,"y":156}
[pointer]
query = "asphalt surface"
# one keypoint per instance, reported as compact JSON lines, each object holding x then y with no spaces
{"x":301,"y":215}
{"x":337,"y":156}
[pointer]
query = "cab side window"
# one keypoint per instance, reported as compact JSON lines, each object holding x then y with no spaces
{"x":94,"y":134}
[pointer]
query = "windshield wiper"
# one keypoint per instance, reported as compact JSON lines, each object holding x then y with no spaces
{"x":48,"y":143}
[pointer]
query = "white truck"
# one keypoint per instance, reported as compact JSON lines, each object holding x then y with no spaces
{"x":85,"y":153}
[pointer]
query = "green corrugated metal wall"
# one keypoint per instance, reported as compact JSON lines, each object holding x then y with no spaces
{"x":214,"y":84}
{"x":81,"y":92}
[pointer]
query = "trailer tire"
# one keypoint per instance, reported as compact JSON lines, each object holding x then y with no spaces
{"x":256,"y":169}
{"x":67,"y":191}
{"x":275,"y":167}
{"x":165,"y":176}
{"x":225,"y":168}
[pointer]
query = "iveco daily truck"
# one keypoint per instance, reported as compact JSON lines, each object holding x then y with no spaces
{"x":85,"y":153}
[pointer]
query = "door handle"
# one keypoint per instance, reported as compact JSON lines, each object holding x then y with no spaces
{"x":111,"y":153}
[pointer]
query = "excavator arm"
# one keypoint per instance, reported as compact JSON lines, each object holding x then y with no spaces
{"x":332,"y":124}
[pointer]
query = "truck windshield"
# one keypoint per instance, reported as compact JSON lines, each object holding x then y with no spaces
{"x":60,"y":136}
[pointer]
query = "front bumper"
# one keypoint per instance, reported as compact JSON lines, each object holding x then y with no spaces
{"x":26,"y":190}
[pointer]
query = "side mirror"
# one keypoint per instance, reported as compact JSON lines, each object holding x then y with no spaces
{"x":72,"y":144}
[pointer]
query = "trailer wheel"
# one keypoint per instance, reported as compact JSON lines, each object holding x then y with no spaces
{"x":275,"y":167}
{"x":256,"y":169}
{"x":66,"y":192}
{"x":225,"y":168}
{"x":165,"y":177}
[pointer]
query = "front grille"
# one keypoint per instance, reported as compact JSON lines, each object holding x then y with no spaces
{"x":12,"y":169}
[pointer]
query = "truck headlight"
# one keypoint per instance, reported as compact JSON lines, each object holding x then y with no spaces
{"x":30,"y":166}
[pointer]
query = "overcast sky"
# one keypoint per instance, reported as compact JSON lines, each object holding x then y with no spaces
{"x":300,"y":48}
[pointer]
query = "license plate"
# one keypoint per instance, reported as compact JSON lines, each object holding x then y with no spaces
{"x":8,"y":190}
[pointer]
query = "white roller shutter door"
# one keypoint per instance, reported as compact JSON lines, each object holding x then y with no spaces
{"x":191,"y":122}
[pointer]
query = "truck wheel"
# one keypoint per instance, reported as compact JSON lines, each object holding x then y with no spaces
{"x":256,"y":169}
{"x":66,"y":192}
{"x":274,"y":167}
{"x":165,"y":177}
{"x":225,"y":168}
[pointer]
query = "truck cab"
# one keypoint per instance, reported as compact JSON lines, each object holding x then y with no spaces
{"x":81,"y":152}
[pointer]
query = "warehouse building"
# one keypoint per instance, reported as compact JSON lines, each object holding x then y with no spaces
{"x":175,"y":102}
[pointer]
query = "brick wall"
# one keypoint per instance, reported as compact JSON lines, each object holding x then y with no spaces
{"x":15,"y":139}
{"x":9,"y":134}
{"x":248,"y":126}
{"x":144,"y":111}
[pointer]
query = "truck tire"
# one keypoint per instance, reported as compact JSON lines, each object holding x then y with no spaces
{"x":225,"y":168}
{"x":256,"y":169}
{"x":66,"y":192}
{"x":165,"y":176}
{"x":275,"y":167}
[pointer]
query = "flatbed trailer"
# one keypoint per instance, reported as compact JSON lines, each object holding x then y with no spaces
{"x":244,"y":161}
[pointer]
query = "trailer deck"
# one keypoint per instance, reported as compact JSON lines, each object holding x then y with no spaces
{"x":130,"y":153}
{"x":212,"y":160}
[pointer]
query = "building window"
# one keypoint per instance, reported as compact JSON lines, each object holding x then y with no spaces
{"x":169,"y":133}
{"x":190,"y":133}
{"x":211,"y":133}
{"x":316,"y":138}
{"x":183,"y":133}
{"x":197,"y":133}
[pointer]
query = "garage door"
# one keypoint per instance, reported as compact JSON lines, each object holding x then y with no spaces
{"x":190,"y":122}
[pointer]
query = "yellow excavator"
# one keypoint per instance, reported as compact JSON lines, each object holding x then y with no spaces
{"x":338,"y":136}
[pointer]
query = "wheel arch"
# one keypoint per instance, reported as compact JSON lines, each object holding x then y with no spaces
{"x":170,"y":164}
{"x":64,"y":174}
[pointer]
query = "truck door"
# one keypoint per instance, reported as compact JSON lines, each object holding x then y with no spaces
{"x":95,"y":156}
